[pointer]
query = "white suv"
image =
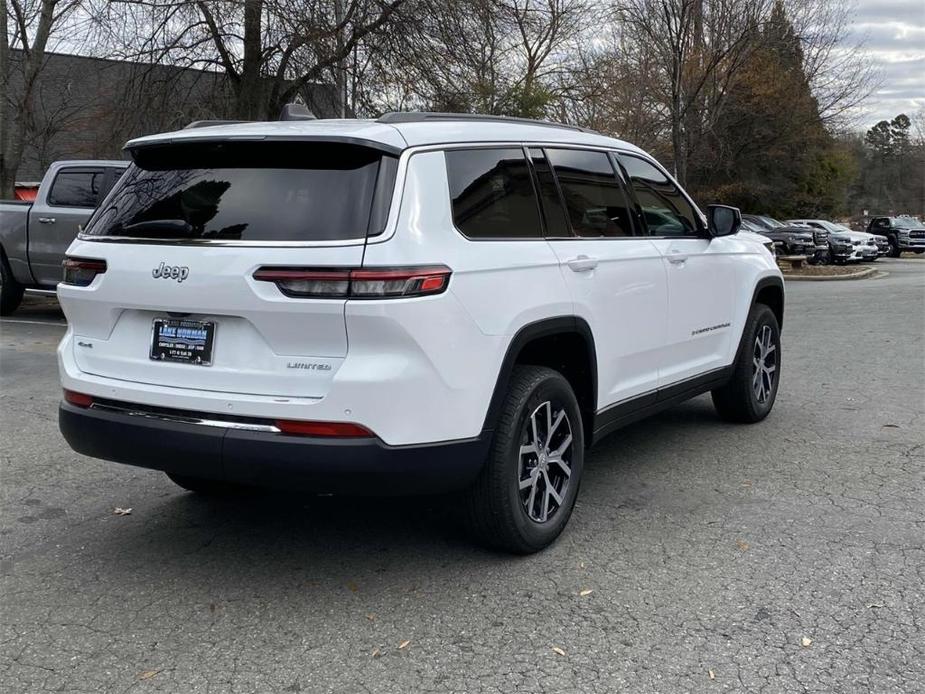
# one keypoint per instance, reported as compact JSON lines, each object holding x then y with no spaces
{"x":420,"y":303}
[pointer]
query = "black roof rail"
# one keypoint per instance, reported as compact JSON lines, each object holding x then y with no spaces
{"x":210,"y":123}
{"x":423,"y":116}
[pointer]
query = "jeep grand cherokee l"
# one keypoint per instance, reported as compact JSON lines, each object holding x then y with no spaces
{"x":420,"y":303}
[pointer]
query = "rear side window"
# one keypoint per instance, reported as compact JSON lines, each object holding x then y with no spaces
{"x":594,"y":198}
{"x":664,"y":208}
{"x":76,"y":188}
{"x":492,"y":194}
{"x":266,"y":191}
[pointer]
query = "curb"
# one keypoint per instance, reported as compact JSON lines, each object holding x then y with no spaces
{"x":863,"y":274}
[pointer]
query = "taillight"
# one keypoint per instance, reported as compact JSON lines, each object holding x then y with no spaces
{"x":81,"y":271}
{"x":325,"y":429}
{"x":78,"y":399}
{"x":357,"y":283}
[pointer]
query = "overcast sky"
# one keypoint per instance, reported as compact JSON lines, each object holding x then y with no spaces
{"x":894,"y":33}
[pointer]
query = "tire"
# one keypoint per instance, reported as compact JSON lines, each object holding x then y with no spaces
{"x":742,"y":399}
{"x":203,"y":486}
{"x":11,"y":291}
{"x":895,"y":250}
{"x":496,"y":506}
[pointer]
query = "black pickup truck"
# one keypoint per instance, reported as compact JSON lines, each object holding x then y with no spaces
{"x":903,"y":233}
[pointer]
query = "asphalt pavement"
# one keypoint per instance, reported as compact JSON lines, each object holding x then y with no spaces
{"x":702,"y":556}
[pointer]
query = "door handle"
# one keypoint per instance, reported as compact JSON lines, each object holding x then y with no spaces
{"x":582,"y":263}
{"x":47,"y":220}
{"x":677,"y":257}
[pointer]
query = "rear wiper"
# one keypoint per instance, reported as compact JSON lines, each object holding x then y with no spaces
{"x":177,"y":228}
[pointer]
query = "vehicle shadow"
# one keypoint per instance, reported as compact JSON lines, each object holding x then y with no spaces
{"x":317,"y":535}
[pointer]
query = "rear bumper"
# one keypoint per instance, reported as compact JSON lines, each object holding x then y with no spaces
{"x":340,"y":466}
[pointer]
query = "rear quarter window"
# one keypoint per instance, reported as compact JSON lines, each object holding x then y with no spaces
{"x":492,"y":194}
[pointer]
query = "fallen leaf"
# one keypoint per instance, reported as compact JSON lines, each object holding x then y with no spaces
{"x":353,"y":587}
{"x":742,"y":544}
{"x":404,"y":644}
{"x":712,"y":675}
{"x":806,"y":641}
{"x":376,"y":653}
{"x":586,"y":591}
{"x":558,"y":650}
{"x":747,"y":483}
{"x":370,"y":616}
{"x":148,"y":674}
{"x":121,"y":511}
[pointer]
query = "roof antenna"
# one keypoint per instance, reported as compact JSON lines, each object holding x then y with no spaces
{"x":296,"y":112}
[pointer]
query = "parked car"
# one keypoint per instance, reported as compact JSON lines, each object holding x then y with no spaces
{"x":902,"y":233}
{"x":396,"y":306}
{"x":845,"y":245}
{"x":787,"y":240}
{"x":820,"y":255}
{"x":34,"y":236}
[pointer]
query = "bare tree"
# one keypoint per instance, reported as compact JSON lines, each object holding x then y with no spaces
{"x":700,"y":45}
{"x":269,"y":50}
{"x":33,"y":25}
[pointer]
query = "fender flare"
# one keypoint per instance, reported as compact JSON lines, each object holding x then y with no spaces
{"x":777,"y":283}
{"x":545,"y":327}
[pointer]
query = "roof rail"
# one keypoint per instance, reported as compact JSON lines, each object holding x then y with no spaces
{"x":210,"y":123}
{"x":424,"y":116}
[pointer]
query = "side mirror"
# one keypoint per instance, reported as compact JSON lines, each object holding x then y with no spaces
{"x":723,"y":220}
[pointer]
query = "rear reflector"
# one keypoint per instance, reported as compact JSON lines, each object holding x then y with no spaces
{"x":326,"y":429}
{"x":81,"y":271}
{"x":78,"y":399}
{"x":357,"y":283}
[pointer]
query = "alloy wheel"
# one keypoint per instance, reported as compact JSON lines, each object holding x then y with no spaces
{"x":544,"y":468}
{"x":764,"y":364}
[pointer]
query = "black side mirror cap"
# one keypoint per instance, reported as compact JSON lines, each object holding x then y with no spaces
{"x":723,"y":220}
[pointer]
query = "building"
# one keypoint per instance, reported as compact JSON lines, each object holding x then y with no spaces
{"x":87,"y":108}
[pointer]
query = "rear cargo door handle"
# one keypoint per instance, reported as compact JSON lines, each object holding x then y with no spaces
{"x":582,"y":263}
{"x":47,"y":220}
{"x":677,"y":257}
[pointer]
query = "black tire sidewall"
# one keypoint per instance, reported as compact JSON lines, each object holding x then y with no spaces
{"x":557,"y":390}
{"x":763,"y":316}
{"x":11,"y":292}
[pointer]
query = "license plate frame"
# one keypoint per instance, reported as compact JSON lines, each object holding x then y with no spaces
{"x":186,"y":347}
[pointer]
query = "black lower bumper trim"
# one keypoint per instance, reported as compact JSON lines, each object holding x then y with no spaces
{"x":339,"y":466}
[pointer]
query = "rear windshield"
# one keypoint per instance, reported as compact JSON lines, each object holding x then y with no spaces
{"x":250,"y":191}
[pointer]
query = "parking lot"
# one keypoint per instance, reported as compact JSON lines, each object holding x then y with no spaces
{"x":702,"y":556}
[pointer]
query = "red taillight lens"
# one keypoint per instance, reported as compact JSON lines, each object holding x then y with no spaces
{"x":81,"y":271}
{"x":78,"y":399}
{"x":326,"y":429}
{"x":357,"y":283}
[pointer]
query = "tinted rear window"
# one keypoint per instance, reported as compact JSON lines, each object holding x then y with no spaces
{"x":492,"y":193}
{"x":255,"y":191}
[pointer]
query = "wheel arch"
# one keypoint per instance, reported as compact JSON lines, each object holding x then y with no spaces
{"x":563,"y":343}
{"x":770,"y":292}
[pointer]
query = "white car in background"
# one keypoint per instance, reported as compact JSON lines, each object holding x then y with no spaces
{"x":846,"y":245}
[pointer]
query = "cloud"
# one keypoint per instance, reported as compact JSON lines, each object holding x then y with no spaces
{"x":893,"y":36}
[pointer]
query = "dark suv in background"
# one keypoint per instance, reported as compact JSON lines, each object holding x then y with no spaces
{"x":790,"y":239}
{"x":903,"y":233}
